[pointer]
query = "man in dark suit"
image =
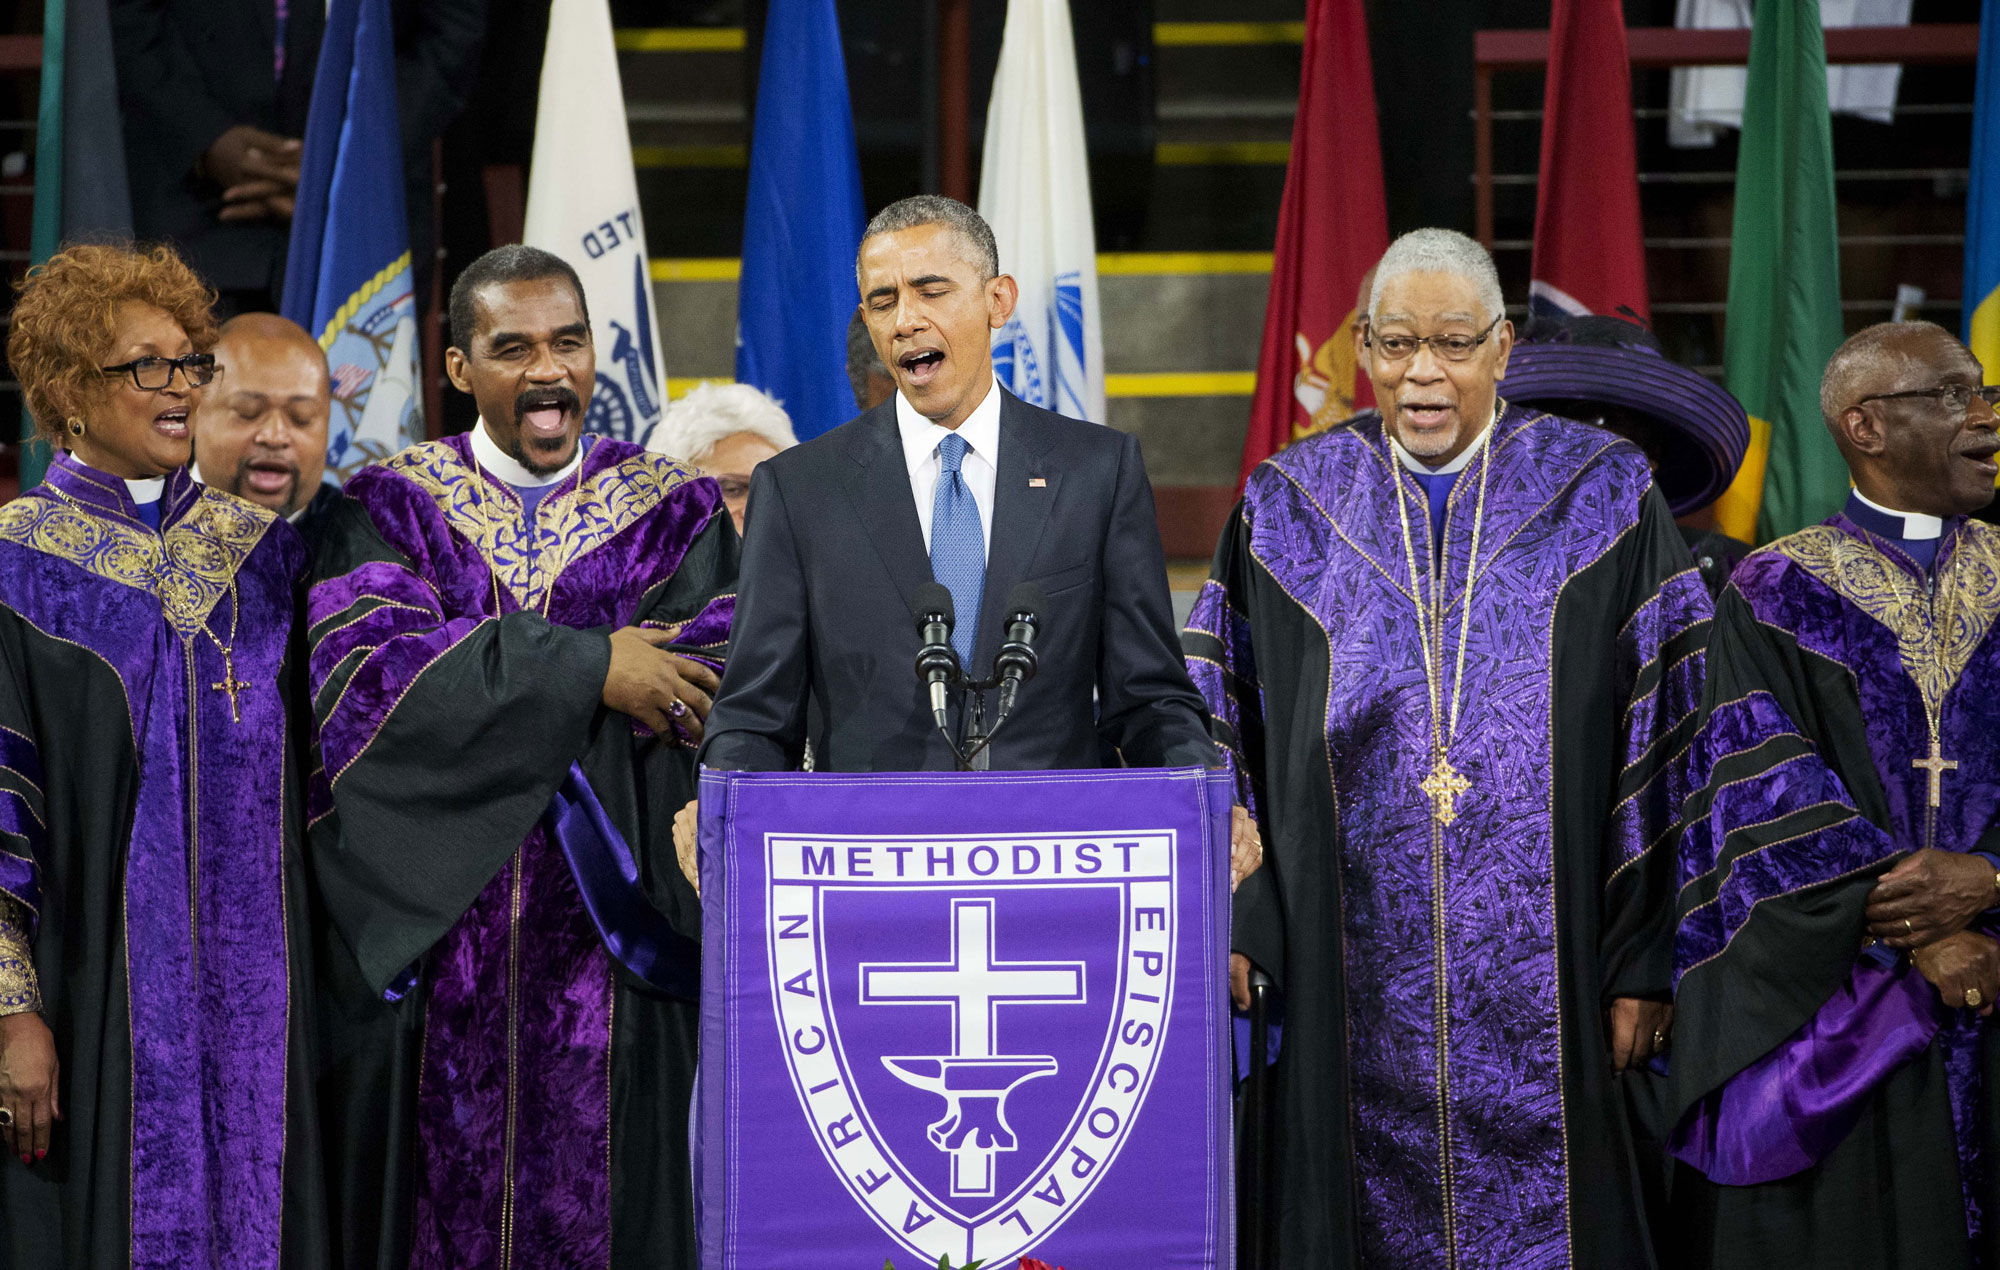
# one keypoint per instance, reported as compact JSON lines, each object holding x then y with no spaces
{"x":956,"y":480}
{"x":214,"y":94}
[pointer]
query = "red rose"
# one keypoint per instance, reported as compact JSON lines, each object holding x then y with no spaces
{"x":1029,"y":1263}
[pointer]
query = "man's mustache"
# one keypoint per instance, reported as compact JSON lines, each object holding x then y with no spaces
{"x":559,"y":397}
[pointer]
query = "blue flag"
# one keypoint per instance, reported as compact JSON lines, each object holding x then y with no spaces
{"x":803,"y":222}
{"x":1981,"y":286}
{"x":347,"y":276}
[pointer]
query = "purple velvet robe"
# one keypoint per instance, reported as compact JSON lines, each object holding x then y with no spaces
{"x":149,"y":820}
{"x":458,"y":659}
{"x":1445,"y":1097}
{"x":1845,"y":1110}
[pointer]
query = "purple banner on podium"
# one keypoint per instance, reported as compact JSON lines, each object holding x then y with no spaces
{"x":977,"y":1016}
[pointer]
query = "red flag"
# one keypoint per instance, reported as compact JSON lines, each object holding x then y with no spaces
{"x":1332,"y":227}
{"x":1590,"y":255}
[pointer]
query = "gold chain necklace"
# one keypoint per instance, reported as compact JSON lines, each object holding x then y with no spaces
{"x":531,"y":527}
{"x":1931,"y":686}
{"x":1445,"y":783}
{"x":229,"y":683}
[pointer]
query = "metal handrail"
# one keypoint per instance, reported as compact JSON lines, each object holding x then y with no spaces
{"x":1931,"y":44}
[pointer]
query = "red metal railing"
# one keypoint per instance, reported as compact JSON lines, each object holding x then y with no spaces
{"x":1932,"y":44}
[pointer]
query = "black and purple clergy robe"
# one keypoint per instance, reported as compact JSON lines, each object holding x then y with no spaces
{"x":1845,"y":1115}
{"x":1444,"y":1096}
{"x":528,"y":1093}
{"x":150,"y":824}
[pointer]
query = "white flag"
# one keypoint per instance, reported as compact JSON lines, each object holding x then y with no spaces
{"x":583,"y":205}
{"x":1703,"y":100}
{"x":1034,"y":190}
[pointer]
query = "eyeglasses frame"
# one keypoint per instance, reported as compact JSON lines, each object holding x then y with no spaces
{"x":1424,"y":341}
{"x":185,"y":365}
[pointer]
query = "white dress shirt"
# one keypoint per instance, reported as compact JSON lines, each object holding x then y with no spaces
{"x":980,"y":468}
{"x":504,"y":468}
{"x":1412,"y":463}
{"x":1915,"y":524}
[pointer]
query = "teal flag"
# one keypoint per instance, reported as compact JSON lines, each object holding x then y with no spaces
{"x":80,"y":187}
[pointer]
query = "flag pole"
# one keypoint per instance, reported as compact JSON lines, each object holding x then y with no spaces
{"x":954,"y":80}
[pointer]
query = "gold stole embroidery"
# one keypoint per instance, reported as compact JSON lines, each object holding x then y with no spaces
{"x":1859,"y":572}
{"x":572,"y":524}
{"x":189,"y":567}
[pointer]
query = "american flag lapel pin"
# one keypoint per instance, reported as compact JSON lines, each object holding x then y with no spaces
{"x":1036,"y":482}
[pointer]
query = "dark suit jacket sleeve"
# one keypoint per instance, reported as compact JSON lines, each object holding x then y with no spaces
{"x":159,"y":79}
{"x":437,"y":62}
{"x":758,"y":723}
{"x":1147,"y":705}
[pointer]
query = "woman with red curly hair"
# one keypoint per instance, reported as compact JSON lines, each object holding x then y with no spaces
{"x":154,"y":1077}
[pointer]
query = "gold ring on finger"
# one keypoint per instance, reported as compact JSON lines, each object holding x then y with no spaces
{"x":1973,"y":998}
{"x":1659,"y":1039}
{"x":6,"y":1118}
{"x":1907,"y":928}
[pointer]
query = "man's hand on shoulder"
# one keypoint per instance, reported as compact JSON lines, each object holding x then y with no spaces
{"x":1928,"y":895}
{"x":667,"y":692}
{"x":1960,"y":965}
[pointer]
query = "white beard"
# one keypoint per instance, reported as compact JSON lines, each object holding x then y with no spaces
{"x":1428,"y":445}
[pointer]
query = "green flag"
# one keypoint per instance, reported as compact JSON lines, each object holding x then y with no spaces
{"x":1784,"y":282}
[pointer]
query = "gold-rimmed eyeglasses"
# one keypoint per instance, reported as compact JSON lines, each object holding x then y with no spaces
{"x":1452,"y":348}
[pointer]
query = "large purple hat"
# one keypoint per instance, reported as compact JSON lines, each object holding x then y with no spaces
{"x":1562,"y":361}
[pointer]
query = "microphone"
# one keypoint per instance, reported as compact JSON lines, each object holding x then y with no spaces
{"x":937,"y":664}
{"x":1016,"y":660}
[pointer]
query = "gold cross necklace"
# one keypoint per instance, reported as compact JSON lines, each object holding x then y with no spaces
{"x":1445,"y":784}
{"x":229,"y":683}
{"x":1935,"y":765}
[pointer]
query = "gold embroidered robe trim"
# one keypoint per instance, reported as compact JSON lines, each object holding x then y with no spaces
{"x":1968,"y":594}
{"x":189,"y":567}
{"x":20,"y":987}
{"x":569,"y":524}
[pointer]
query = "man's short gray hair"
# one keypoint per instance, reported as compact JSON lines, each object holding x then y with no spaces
{"x":1439,"y":251}
{"x":689,"y":429}
{"x":982,"y":250}
{"x":1868,"y":362}
{"x":862,"y":359}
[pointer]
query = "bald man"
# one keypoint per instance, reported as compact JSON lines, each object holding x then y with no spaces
{"x":260,"y":430}
{"x":1833,"y":1062}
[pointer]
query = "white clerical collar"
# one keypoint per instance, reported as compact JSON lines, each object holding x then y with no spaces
{"x":1916,"y":525}
{"x":1459,"y":464}
{"x":981,"y":429}
{"x":146,"y":491}
{"x":504,"y":468}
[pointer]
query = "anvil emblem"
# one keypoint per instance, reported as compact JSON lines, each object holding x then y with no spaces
{"x":973,"y":1080}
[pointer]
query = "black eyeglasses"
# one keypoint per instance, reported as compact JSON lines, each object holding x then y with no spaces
{"x":1453,"y":348}
{"x":151,"y":374}
{"x":1953,"y":397}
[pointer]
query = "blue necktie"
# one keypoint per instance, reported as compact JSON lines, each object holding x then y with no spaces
{"x":958,"y":547}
